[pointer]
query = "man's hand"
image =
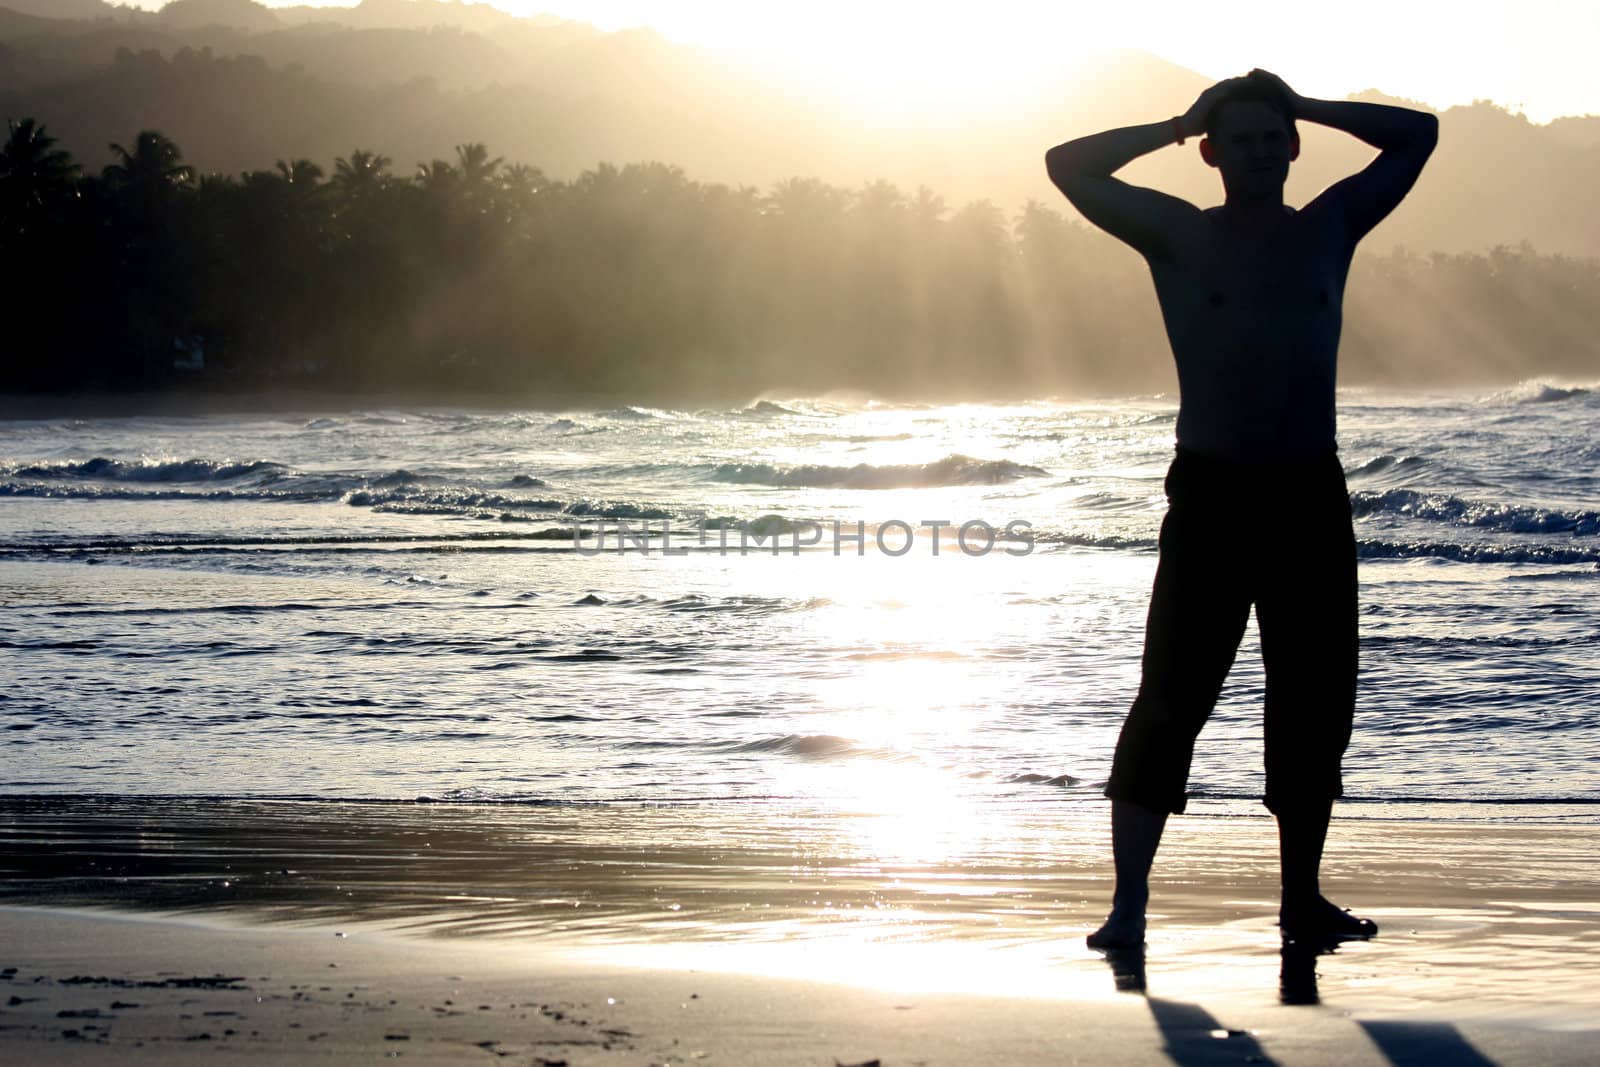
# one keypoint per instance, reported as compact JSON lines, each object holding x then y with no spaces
{"x":1193,"y":121}
{"x":1295,"y":101}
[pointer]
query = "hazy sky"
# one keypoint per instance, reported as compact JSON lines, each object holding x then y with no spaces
{"x":1535,"y":55}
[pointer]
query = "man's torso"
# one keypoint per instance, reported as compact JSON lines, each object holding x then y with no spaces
{"x":1253,"y":317}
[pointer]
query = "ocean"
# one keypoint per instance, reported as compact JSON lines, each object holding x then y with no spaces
{"x":807,"y":604}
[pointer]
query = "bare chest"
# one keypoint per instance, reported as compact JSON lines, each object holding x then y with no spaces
{"x":1290,"y":280}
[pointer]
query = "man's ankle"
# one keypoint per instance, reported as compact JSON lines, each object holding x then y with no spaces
{"x":1301,"y":899}
{"x":1130,"y":903}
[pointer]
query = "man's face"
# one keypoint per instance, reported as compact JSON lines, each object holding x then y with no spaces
{"x":1252,"y":147}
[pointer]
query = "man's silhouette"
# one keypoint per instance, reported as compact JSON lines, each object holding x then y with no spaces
{"x":1258,"y":513}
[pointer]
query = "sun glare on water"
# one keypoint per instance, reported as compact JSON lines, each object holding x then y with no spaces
{"x":916,"y":685}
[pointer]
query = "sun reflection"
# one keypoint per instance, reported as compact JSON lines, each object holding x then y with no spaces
{"x":915,"y":683}
{"x":899,"y":814}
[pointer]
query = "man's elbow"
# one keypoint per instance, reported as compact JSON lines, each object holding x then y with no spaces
{"x":1427,"y":135}
{"x":1055,"y":161}
{"x":1062,"y":164}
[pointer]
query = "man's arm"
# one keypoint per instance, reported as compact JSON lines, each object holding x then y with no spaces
{"x":1143,"y":218}
{"x":1404,"y":139}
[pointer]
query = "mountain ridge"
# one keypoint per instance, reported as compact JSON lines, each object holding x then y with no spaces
{"x":413,"y":78}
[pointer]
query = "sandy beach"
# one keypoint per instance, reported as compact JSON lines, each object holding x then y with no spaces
{"x":156,"y":931}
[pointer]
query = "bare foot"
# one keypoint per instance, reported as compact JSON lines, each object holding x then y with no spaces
{"x":1118,"y":932}
{"x":1321,"y":918}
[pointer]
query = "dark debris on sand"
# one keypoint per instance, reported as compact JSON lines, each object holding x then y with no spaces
{"x":267,"y":1011}
{"x":213,"y":982}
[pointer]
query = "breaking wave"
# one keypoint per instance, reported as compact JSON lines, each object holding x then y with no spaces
{"x":1477,"y":553}
{"x":1442,"y":507}
{"x":184,"y":470}
{"x":1537,"y":392}
{"x":1388,"y":469}
{"x":950,"y":471}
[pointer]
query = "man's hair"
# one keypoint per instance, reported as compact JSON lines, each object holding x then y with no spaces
{"x":1252,"y":90}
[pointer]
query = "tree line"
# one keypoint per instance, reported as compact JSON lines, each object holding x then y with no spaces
{"x":477,"y":276}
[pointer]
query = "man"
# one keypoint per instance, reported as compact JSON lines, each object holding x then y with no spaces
{"x":1258,"y":513}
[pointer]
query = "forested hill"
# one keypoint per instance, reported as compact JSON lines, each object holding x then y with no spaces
{"x":237,"y":85}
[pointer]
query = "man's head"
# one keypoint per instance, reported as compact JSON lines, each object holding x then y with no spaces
{"x":1251,"y":138}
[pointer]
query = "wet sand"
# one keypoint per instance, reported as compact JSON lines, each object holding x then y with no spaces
{"x":667,"y":934}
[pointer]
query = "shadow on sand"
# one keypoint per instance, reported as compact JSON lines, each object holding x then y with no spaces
{"x":1193,"y":1037}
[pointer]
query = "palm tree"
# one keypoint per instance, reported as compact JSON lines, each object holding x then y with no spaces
{"x":300,"y":172}
{"x":981,"y":226}
{"x":880,"y":201}
{"x":476,"y":168}
{"x":517,"y":195}
{"x":155,"y":165}
{"x":1048,"y":242}
{"x":153,"y":249}
{"x":521,"y":180}
{"x":928,"y":209}
{"x":807,"y":201}
{"x":33,"y":173}
{"x":361,"y":174}
{"x":437,"y":177}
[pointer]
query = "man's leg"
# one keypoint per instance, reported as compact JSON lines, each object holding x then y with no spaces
{"x":1198,"y":611}
{"x":1307,"y":615}
{"x":1304,"y":911}
{"x":1135,"y":836}
{"x":1302,"y":832}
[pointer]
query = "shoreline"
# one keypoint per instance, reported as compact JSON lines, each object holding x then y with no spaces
{"x":839,"y":940}
{"x":237,"y":398}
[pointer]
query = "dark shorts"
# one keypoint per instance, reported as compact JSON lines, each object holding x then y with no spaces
{"x":1276,"y":536}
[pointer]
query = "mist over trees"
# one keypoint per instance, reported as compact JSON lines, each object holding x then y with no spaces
{"x":477,"y":275}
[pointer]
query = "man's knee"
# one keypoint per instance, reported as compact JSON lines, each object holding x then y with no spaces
{"x":1148,"y":791}
{"x":1156,"y":746}
{"x":1305,"y":775}
{"x":1304,"y":796}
